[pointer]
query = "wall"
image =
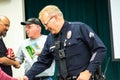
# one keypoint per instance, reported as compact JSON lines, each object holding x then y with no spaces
{"x":14,"y":10}
{"x":115,"y":28}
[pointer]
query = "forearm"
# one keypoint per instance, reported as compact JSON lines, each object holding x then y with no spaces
{"x":7,"y":61}
{"x":96,"y":60}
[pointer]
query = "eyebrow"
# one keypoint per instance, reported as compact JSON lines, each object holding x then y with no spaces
{"x":6,"y":24}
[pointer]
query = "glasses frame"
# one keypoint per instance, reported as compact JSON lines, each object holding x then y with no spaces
{"x":48,"y":21}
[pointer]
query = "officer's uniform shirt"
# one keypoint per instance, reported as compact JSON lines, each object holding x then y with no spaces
{"x":3,"y":51}
{"x":83,"y":49}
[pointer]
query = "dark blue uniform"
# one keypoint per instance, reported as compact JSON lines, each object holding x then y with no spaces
{"x":3,"y":51}
{"x":83,"y":49}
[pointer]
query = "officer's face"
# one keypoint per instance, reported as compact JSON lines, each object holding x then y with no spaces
{"x":50,"y":23}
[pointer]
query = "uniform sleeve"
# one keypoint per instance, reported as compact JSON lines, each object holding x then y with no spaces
{"x":96,"y":46}
{"x":44,"y":61}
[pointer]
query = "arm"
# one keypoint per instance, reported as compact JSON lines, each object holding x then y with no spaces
{"x":7,"y":61}
{"x":43,"y":62}
{"x":97,"y":51}
{"x":38,"y":67}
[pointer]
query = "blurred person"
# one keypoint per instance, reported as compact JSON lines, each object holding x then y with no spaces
{"x":3,"y":75}
{"x":76,"y":48}
{"x":1,"y":28}
{"x":31,"y":48}
{"x":5,"y":60}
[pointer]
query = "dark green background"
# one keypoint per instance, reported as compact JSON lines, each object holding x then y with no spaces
{"x":91,"y":12}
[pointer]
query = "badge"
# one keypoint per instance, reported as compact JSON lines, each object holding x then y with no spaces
{"x":69,"y":34}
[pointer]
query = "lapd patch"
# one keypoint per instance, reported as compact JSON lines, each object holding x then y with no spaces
{"x":69,"y":34}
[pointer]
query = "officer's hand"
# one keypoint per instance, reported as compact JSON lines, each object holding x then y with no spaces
{"x":85,"y":75}
{"x":37,"y":53}
{"x":23,"y":78}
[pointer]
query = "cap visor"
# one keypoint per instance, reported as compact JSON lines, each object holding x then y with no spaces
{"x":25,"y":23}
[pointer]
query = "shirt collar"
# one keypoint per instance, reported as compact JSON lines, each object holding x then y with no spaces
{"x":64,"y":28}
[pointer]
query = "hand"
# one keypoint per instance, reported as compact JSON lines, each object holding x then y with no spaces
{"x":37,"y":53}
{"x":23,"y":78}
{"x":17,"y":64}
{"x":85,"y":75}
{"x":11,"y":56}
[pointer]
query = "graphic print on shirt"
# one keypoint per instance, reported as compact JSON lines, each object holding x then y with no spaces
{"x":32,"y":48}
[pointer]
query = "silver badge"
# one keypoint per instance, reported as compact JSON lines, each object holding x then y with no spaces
{"x":69,"y":34}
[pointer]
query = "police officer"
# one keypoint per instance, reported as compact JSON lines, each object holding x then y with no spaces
{"x":83,"y":50}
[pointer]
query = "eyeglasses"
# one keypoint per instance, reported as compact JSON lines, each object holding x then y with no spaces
{"x":48,"y":21}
